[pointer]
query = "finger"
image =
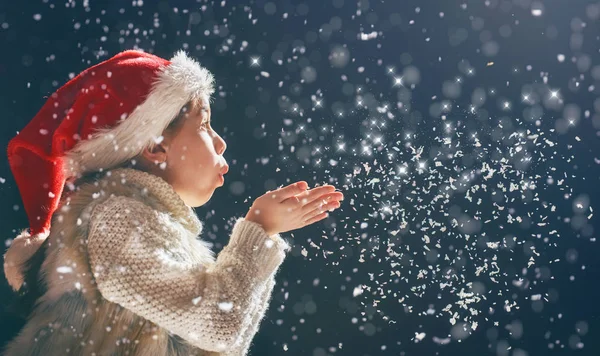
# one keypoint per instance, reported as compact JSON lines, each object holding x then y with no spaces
{"x":324,"y":199}
{"x":316,"y":218}
{"x":312,"y":194}
{"x":324,"y":208}
{"x":288,"y":191}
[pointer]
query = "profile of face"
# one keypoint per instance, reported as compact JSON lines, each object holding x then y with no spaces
{"x":190,"y":156}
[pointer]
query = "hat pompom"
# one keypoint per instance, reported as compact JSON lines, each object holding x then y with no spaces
{"x":19,"y":252}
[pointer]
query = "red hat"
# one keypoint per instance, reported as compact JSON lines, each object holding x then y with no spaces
{"x":101,"y":118}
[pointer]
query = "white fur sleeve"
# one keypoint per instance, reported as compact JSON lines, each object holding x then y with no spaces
{"x":137,"y":261}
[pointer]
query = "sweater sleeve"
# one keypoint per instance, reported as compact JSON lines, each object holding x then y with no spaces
{"x":137,"y":262}
{"x":258,"y":315}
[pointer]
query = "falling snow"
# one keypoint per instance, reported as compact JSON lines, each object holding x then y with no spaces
{"x":460,"y":158}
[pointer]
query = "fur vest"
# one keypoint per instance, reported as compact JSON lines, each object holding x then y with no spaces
{"x":71,"y":317}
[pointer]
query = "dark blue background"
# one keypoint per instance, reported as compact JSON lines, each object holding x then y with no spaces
{"x":38,"y":56}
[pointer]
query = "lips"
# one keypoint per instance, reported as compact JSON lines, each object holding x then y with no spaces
{"x":222,"y":172}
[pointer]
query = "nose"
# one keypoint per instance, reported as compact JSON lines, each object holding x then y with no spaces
{"x":220,"y":145}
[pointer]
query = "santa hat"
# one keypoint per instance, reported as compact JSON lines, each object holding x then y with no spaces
{"x":100,"y":119}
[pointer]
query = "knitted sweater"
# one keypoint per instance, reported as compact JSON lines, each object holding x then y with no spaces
{"x":144,"y":256}
{"x":147,"y":264}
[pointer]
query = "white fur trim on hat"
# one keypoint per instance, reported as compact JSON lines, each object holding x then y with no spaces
{"x":184,"y":79}
{"x":19,"y":252}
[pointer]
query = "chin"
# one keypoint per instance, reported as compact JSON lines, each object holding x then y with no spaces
{"x":199,"y":201}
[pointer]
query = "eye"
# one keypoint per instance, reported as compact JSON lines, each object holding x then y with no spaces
{"x":205,"y":125}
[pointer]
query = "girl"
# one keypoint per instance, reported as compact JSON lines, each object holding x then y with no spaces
{"x":113,"y":262}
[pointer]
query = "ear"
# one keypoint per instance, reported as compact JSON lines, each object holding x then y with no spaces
{"x":157,"y":153}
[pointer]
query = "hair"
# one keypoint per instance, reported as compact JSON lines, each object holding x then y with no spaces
{"x":23,"y":301}
{"x":190,"y":108}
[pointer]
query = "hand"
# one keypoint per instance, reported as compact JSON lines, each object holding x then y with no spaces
{"x":293,"y":207}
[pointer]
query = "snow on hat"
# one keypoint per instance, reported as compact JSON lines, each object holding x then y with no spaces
{"x":100,"y":119}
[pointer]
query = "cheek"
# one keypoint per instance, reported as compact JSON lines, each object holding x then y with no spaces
{"x":183,"y":154}
{"x":192,"y":153}
{"x":178,"y":154}
{"x":182,"y":148}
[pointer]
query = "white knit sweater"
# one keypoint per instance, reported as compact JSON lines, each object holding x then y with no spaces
{"x":151,"y":262}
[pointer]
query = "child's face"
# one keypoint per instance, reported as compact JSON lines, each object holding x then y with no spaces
{"x":195,"y":161}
